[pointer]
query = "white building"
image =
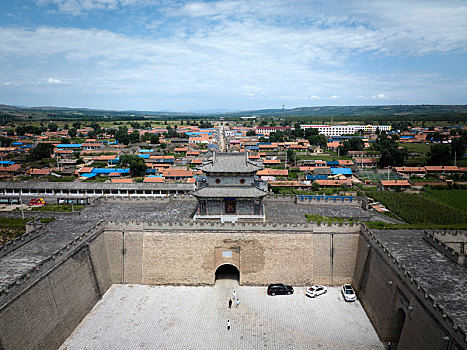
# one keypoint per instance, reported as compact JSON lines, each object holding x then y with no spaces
{"x":339,"y":130}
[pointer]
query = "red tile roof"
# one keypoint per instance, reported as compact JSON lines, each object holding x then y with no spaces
{"x":272,"y":172}
{"x":395,"y":183}
{"x":121,"y":181}
{"x":153,"y":179}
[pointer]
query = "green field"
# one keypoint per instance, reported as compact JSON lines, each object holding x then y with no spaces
{"x":416,"y":147}
{"x":454,"y":198}
{"x":419,"y":209}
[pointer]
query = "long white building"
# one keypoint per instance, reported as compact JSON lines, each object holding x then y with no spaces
{"x":339,"y":130}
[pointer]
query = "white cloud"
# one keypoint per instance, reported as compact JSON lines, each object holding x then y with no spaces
{"x":380,"y":97}
{"x":54,"y":81}
{"x":261,"y":50}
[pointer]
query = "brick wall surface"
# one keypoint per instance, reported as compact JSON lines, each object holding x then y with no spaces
{"x":165,"y":257}
{"x":46,"y":313}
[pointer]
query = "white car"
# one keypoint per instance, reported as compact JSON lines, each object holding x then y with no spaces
{"x":348,"y":293}
{"x":314,"y":291}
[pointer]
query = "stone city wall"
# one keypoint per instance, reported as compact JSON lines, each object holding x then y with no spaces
{"x":399,"y":307}
{"x":42,"y":307}
{"x":188,"y":253}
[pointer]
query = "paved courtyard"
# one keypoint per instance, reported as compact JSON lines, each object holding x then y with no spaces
{"x":156,"y":317}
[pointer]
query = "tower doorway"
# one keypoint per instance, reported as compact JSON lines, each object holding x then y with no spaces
{"x":230,"y":207}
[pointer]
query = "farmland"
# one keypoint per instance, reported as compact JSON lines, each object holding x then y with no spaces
{"x":418,"y":209}
{"x":455,"y":198}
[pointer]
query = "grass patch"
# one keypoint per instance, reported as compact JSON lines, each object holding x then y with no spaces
{"x":47,"y":220}
{"x":62,"y":208}
{"x":416,"y":147}
{"x":454,"y":198}
{"x":10,"y":228}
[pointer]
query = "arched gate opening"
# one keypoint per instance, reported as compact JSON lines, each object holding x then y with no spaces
{"x":227,"y":274}
{"x":399,"y":321}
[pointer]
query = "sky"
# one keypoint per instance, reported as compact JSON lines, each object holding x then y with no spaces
{"x":231,"y":54}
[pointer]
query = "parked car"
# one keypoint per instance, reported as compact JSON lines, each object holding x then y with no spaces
{"x":314,"y":291}
{"x":37,"y":202}
{"x":348,"y":293}
{"x":279,"y":288}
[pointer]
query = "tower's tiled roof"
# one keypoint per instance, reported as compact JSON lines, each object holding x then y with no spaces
{"x":230,"y":163}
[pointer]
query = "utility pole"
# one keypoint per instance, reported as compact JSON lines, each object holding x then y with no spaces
{"x":1,"y":153}
{"x":21,"y":204}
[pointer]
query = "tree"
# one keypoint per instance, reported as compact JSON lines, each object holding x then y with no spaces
{"x":134,"y":137}
{"x":52,"y":127}
{"x":458,"y":147}
{"x":353,"y":144}
{"x":72,"y":132}
{"x":440,"y":154}
{"x":389,"y":150}
{"x":136,"y":164}
{"x":291,"y":158}
{"x":318,"y":140}
{"x":28,"y":129}
{"x":5,"y":141}
{"x":42,"y":150}
{"x":154,"y":139}
{"x":250,"y":133}
{"x":122,"y":135}
{"x":76,"y":125}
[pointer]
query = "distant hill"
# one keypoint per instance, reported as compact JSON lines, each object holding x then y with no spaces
{"x":357,"y":110}
{"x":319,"y":113}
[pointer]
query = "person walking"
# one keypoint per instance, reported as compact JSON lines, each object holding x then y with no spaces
{"x":237,"y":302}
{"x":230,"y":303}
{"x":228,"y":325}
{"x":234,"y":296}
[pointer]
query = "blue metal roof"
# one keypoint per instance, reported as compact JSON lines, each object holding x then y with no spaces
{"x":341,"y":171}
{"x":16,"y":143}
{"x":144,"y":156}
{"x":109,"y":170}
{"x":69,"y":145}
{"x":332,"y":162}
{"x":316,"y":177}
{"x":6,"y":162}
{"x":88,"y":175}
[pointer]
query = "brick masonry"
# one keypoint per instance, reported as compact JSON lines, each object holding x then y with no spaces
{"x":51,"y":301}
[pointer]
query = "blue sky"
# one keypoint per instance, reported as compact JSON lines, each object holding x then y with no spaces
{"x":234,"y":55}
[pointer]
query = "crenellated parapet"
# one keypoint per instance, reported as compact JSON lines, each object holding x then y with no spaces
{"x":341,"y":227}
{"x":24,"y":238}
{"x":416,"y":287}
{"x":445,"y":247}
{"x":42,"y":267}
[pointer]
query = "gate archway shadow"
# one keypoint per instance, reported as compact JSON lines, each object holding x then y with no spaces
{"x":227,"y":275}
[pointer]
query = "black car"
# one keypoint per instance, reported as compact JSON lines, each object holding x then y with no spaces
{"x":279,"y":288}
